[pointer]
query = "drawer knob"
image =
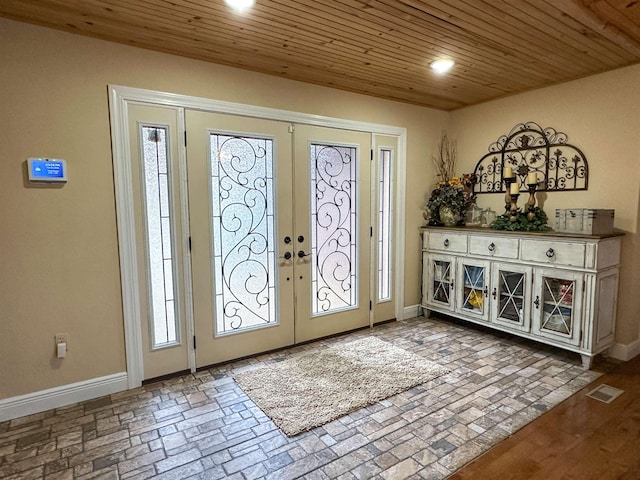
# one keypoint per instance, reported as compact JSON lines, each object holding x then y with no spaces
{"x":446,"y":242}
{"x":550,"y":253}
{"x":492,"y":247}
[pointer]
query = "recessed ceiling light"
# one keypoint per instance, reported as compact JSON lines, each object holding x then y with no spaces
{"x":442,"y":66}
{"x":240,"y":4}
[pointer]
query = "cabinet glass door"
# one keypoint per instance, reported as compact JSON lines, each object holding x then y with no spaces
{"x":440,"y":283}
{"x":472,"y":290}
{"x":511,"y":296}
{"x":557,"y":303}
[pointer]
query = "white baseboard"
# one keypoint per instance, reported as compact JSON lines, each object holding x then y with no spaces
{"x":43,"y":400}
{"x":626,"y":352}
{"x":411,"y":311}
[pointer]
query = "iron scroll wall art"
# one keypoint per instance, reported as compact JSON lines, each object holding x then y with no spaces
{"x":527,"y":148}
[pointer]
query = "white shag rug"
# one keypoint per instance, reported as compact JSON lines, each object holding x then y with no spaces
{"x":304,"y":392}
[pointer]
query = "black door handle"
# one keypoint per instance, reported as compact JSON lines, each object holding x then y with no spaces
{"x":287,"y":255}
{"x":301,"y":254}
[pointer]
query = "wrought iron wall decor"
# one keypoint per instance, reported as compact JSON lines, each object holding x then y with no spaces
{"x":529,"y":148}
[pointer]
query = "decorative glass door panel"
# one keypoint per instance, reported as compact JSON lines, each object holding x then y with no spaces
{"x":384,"y":165}
{"x":511,"y":284}
{"x":385,"y":234}
{"x":334,"y":235}
{"x":441,"y":279}
{"x":160,"y":231}
{"x":243,"y":232}
{"x":472,"y":293}
{"x":557,"y":304}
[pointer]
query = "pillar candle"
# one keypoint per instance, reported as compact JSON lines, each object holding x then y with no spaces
{"x":532,"y":178}
{"x":515,"y":188}
{"x":508,"y":172}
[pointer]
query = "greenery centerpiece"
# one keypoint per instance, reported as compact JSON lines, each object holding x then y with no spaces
{"x":522,"y":223}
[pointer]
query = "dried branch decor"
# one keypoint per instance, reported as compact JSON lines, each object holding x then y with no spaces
{"x":445,"y":160}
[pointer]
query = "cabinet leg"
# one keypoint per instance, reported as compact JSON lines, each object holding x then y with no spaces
{"x":426,"y":312}
{"x":587,"y":361}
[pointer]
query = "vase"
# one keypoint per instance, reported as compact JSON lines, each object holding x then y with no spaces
{"x":448,"y":216}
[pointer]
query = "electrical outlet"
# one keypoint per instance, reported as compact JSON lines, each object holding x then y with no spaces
{"x":62,"y":338}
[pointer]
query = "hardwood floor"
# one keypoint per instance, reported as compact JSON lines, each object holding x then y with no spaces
{"x":579,"y":439}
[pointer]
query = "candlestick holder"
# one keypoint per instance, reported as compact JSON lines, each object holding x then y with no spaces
{"x":513,"y":207}
{"x":507,"y":194}
{"x":531,"y":203}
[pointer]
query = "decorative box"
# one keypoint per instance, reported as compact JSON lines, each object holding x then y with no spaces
{"x":589,"y":221}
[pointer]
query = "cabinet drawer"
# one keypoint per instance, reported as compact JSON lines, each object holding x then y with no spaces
{"x":447,"y":242}
{"x":553,"y":253}
{"x":494,"y":247}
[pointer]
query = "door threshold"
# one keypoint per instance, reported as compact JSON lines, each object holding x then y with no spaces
{"x":168,"y":376}
{"x":306,"y":342}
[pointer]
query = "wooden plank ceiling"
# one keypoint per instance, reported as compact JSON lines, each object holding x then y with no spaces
{"x":374,"y":47}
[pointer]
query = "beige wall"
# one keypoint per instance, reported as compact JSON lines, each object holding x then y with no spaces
{"x":600,"y":115}
{"x":59,"y":268}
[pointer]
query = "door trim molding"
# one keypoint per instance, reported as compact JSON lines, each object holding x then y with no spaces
{"x":119,"y":99}
{"x":129,"y":282}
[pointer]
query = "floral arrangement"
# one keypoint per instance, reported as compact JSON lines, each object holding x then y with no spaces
{"x":452,"y":195}
{"x":450,"y":200}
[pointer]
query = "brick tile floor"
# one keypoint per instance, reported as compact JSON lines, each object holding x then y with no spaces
{"x":203,"y":426}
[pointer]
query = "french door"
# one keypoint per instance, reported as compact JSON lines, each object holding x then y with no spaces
{"x":255,"y":234}
{"x":279,"y":232}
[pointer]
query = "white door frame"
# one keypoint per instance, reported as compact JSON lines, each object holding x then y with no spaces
{"x":119,"y":99}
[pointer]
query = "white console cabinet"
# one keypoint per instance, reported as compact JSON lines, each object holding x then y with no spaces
{"x":560,"y":289}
